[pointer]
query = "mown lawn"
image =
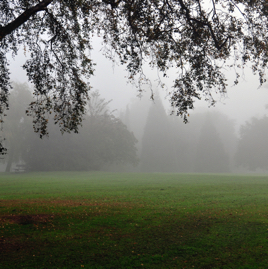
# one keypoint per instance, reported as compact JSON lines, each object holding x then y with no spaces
{"x":105,"y":220}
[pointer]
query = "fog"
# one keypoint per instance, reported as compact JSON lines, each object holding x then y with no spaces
{"x":140,"y":135}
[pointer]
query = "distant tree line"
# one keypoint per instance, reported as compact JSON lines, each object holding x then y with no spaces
{"x":168,"y":145}
{"x":102,"y":141}
{"x":252,"y":150}
{"x":208,"y":144}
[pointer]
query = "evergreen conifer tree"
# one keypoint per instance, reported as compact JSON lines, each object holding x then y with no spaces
{"x":157,"y":149}
{"x":210,"y":154}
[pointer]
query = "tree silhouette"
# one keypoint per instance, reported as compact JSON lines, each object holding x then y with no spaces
{"x":210,"y":154}
{"x":103,"y":140}
{"x":198,"y":38}
{"x":157,"y":150}
{"x":17,"y":123}
{"x":252,"y":150}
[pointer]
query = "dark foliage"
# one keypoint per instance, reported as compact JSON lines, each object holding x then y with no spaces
{"x":196,"y":37}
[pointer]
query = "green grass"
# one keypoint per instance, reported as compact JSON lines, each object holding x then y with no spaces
{"x":107,"y":220}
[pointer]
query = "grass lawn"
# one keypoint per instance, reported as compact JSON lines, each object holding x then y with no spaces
{"x":108,"y":220}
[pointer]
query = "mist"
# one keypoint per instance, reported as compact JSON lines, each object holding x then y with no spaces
{"x":212,"y":142}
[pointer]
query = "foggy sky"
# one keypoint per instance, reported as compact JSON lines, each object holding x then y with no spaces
{"x":242,"y":102}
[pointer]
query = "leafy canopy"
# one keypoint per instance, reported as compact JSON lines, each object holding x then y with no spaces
{"x":198,"y":38}
{"x":103,"y":142}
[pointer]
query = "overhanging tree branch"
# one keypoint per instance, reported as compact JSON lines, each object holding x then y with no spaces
{"x":196,"y":37}
{"x":9,"y":28}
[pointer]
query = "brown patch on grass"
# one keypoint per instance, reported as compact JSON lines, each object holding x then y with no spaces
{"x":24,"y":211}
{"x":11,"y":244}
{"x":26,"y":219}
{"x":71,"y":203}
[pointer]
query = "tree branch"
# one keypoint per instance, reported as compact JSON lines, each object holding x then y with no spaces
{"x":9,"y":28}
{"x":203,"y":22}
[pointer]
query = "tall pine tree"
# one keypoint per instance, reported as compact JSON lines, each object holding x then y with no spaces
{"x":157,"y":150}
{"x":210,"y":153}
